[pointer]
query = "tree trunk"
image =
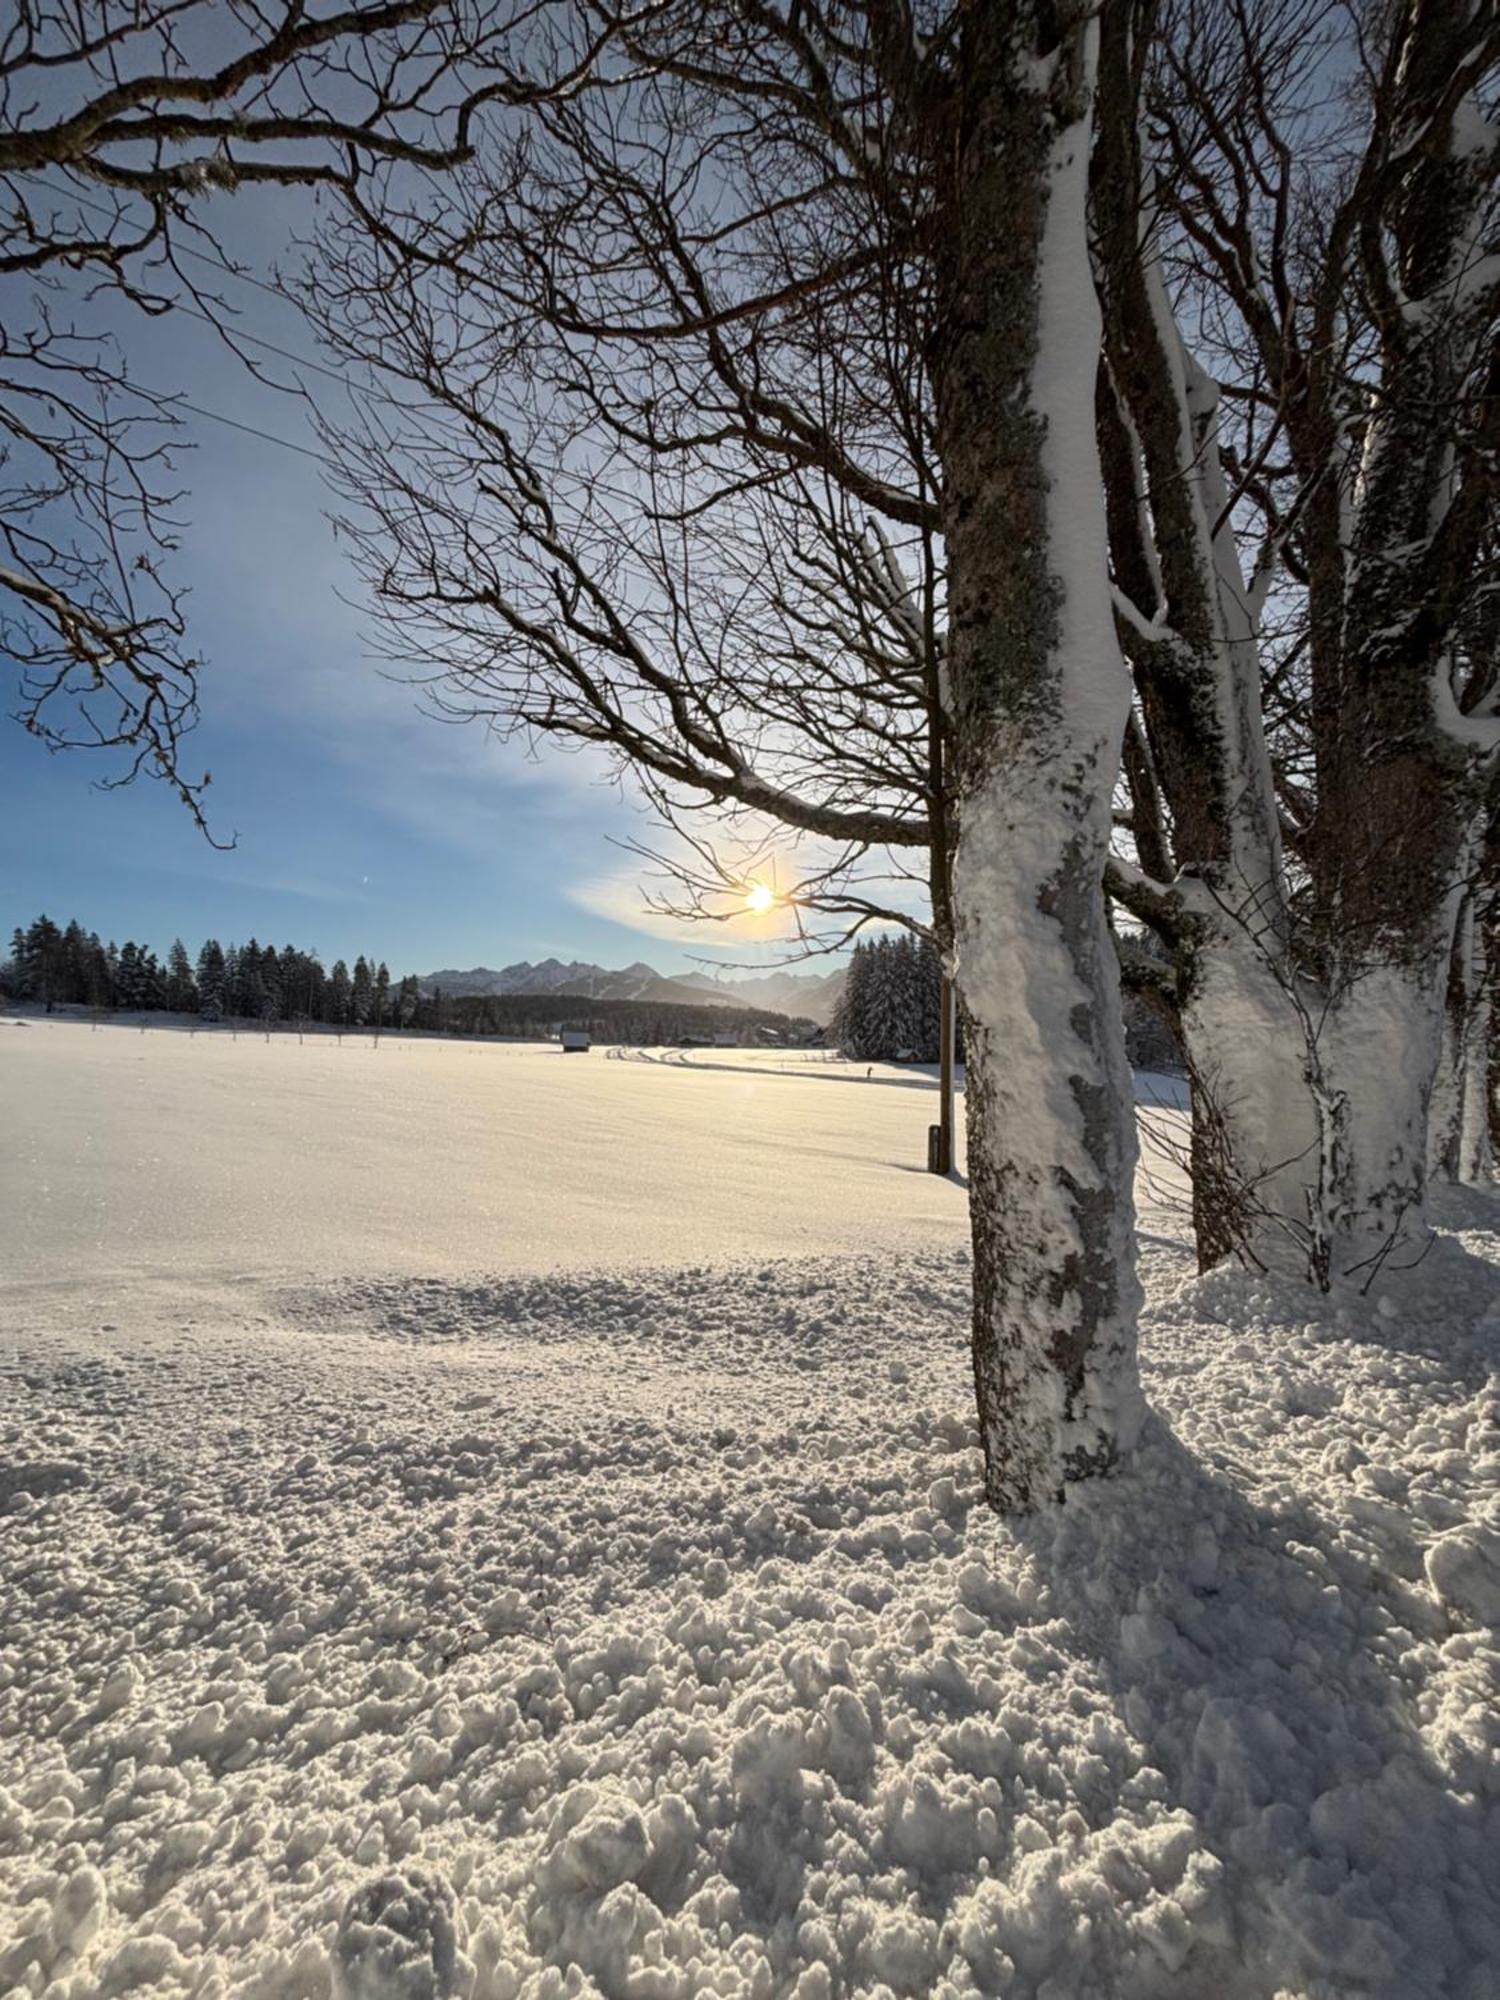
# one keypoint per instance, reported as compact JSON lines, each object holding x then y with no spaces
{"x":1040,"y":698}
{"x":1402,"y":780}
{"x":1255,"y":1137}
{"x":1476,"y":1159}
{"x":1311,"y":1112}
{"x":1319,"y":1117}
{"x":1378,"y":1050}
{"x":1458,"y":1146}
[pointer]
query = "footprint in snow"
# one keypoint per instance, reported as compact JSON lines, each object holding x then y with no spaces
{"x":398,"y":1940}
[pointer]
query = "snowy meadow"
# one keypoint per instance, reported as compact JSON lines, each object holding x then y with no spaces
{"x":479,"y":1521}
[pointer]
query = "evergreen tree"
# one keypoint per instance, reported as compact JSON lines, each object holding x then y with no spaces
{"x":885,"y":1026}
{"x":129,"y":983}
{"x":98,"y":979}
{"x":362,"y":992}
{"x":914,"y":1030}
{"x":851,"y":1023}
{"x":929,"y":971}
{"x":270,"y":982}
{"x":302,"y":984}
{"x":153,"y":982}
{"x":212,"y":983}
{"x":15,"y":978}
{"x":340,"y":995}
{"x":182,"y":988}
{"x":42,"y":963}
{"x":72,"y":966}
{"x":250,"y":985}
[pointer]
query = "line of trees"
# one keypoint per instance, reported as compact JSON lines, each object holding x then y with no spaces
{"x":55,"y":967}
{"x":251,"y":981}
{"x":636,"y":1023}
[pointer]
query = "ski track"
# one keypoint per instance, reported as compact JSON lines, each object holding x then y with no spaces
{"x":641,"y":1633}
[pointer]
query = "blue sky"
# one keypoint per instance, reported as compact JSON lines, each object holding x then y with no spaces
{"x":361,"y":824}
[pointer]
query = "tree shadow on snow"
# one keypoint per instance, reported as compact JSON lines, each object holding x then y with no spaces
{"x":1474,"y":1209}
{"x":1268,"y":1660}
{"x":955,"y":1176}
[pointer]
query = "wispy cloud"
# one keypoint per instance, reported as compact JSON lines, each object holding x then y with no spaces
{"x":620,"y":896}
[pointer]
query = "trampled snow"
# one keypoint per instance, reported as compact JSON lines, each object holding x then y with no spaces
{"x":406,"y":1588}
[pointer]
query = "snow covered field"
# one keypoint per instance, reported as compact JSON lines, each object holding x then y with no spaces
{"x":204,"y":1155}
{"x":479,"y":1521}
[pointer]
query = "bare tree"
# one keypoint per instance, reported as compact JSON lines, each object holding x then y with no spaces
{"x":756,"y":652}
{"x":673,"y":301}
{"x":119,"y":122}
{"x":1312,"y":755}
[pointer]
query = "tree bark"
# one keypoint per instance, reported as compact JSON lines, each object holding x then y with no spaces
{"x":1040,"y":702}
{"x":1458,"y":1147}
{"x":1255,"y":1152}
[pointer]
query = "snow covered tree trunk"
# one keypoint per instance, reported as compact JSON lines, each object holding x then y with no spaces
{"x":1040,"y":701}
{"x":1402,"y":767}
{"x":1311,"y":1020}
{"x":1378,"y":1051}
{"x":1476,"y":1160}
{"x":1211,"y":874}
{"x":1311,"y":1110}
{"x":1459,"y":1117}
{"x":1255,"y":1129}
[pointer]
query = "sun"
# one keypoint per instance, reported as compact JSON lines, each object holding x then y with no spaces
{"x":759,"y":898}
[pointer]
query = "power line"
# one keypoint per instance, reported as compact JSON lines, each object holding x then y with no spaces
{"x":185,"y":250}
{"x":230,"y":335}
{"x":236,"y":333}
{"x":266,"y":437}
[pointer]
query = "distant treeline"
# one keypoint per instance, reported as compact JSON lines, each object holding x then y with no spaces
{"x":644,"y":1023}
{"x":252,"y":981}
{"x":256,"y":982}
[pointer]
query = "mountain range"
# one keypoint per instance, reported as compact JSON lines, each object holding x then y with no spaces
{"x":810,"y":994}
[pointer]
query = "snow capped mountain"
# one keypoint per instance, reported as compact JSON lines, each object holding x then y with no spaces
{"x":811,"y":994}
